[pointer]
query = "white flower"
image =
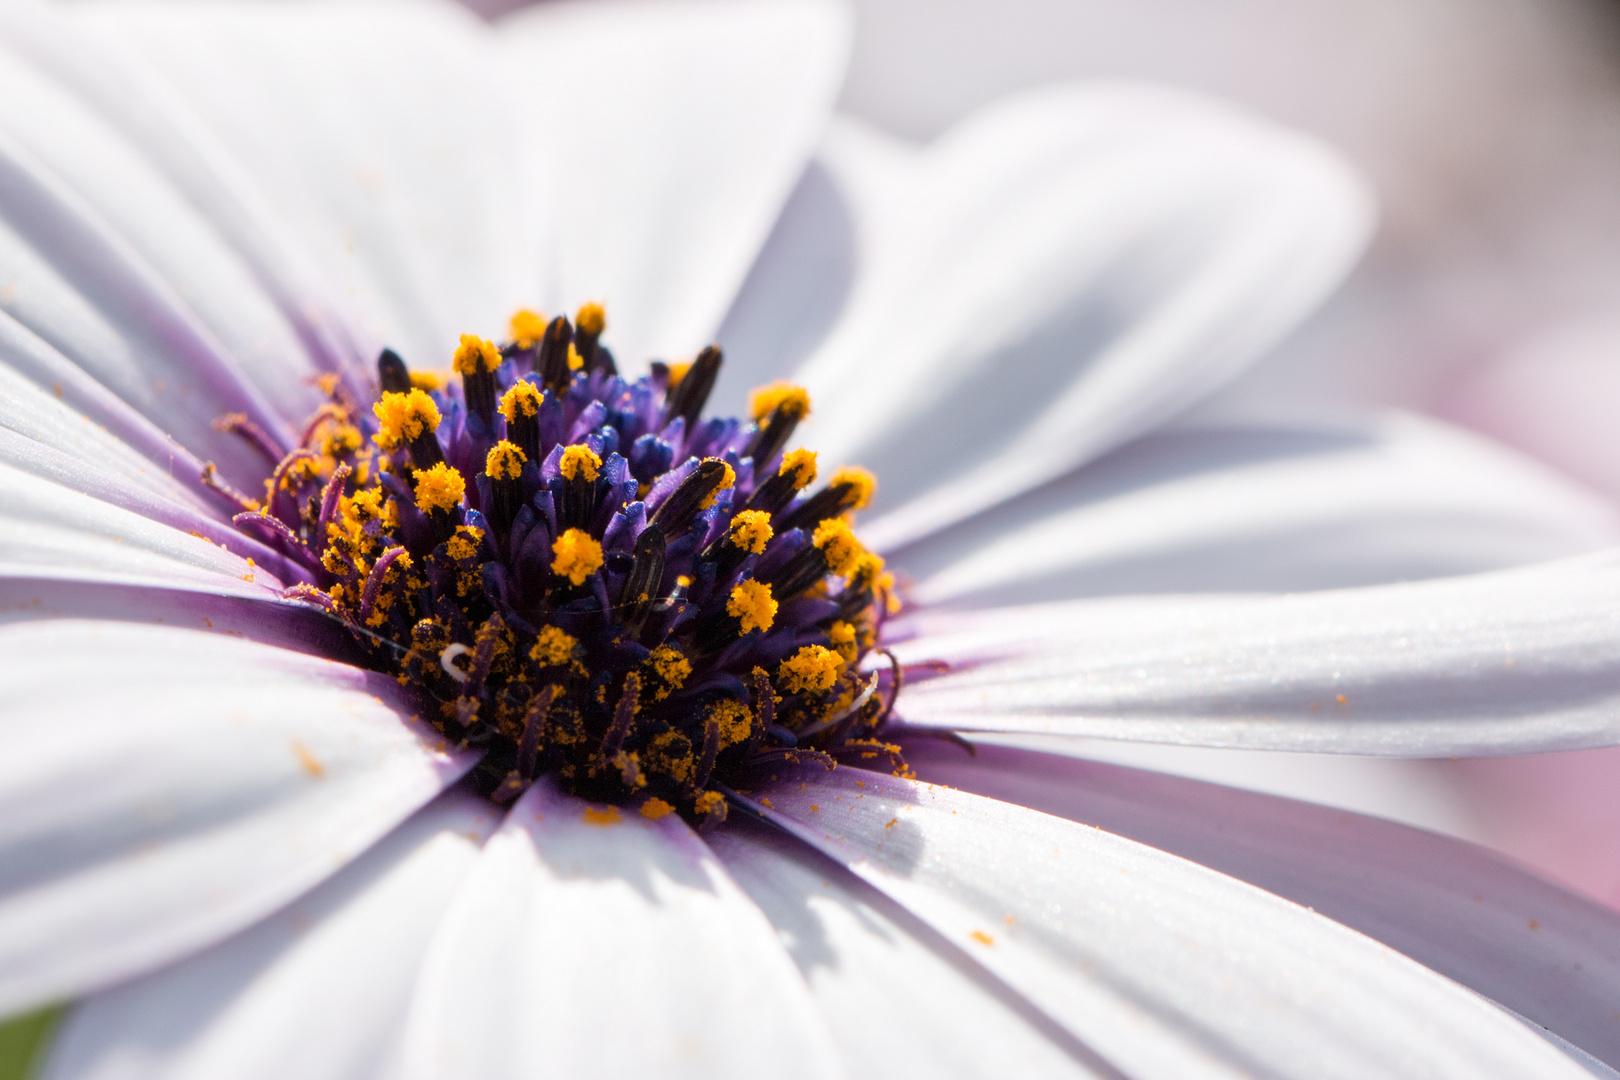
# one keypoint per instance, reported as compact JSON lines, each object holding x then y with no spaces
{"x":242,"y":857}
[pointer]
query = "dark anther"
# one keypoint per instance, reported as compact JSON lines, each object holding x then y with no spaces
{"x":523,"y":431}
{"x":641,"y":584}
{"x":773,"y":436}
{"x":775,"y":494}
{"x":764,"y":701}
{"x":585,"y":345}
{"x":602,"y":363}
{"x":553,"y":364}
{"x":578,"y":502}
{"x":675,"y":513}
{"x":830,"y":501}
{"x":506,"y":497}
{"x":711,"y":750}
{"x":479,"y":386}
{"x":623,"y":716}
{"x":688,"y":398}
{"x":534,"y":727}
{"x":425,"y":450}
{"x":392,"y":374}
{"x":806,"y":568}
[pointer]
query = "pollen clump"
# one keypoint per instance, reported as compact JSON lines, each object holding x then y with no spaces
{"x":504,"y":461}
{"x":710,"y":802}
{"x":842,"y":636}
{"x":462,"y":546}
{"x":857,"y":484}
{"x":579,"y":462}
{"x":439,"y":488}
{"x":601,"y":815}
{"x":553,"y":646}
{"x":575,"y":361}
{"x":813,"y":668}
{"x":735,"y":719}
{"x":428,"y":380}
{"x":794,"y":401}
{"x":655,"y":808}
{"x":591,"y":319}
{"x":402,"y":418}
{"x":751,"y":604}
{"x":475,"y":356}
{"x":801,"y":466}
{"x":727,"y":480}
{"x":837,"y":542}
{"x":671,"y":665}
{"x":527,"y":327}
{"x":575,"y":555}
{"x":750,"y":530}
{"x":522,"y":400}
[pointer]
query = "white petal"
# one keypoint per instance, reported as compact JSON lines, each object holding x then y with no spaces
{"x":1075,"y":265}
{"x":1267,"y":508}
{"x":316,"y":991}
{"x":165,"y":788}
{"x":1514,"y":661}
{"x":379,"y":133}
{"x":666,"y":138}
{"x":47,"y":530}
{"x":1456,"y":908}
{"x":897,"y":1000}
{"x":588,"y":943}
{"x":1162,"y":967}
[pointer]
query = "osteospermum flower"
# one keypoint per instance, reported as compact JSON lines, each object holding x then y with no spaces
{"x":395,"y":684}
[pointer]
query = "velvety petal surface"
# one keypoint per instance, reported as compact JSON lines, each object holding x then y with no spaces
{"x":1550,"y":956}
{"x":1514,"y":661}
{"x":166,"y":788}
{"x":1162,"y":967}
{"x":1266,"y":508}
{"x":663,"y":140}
{"x":1070,"y":267}
{"x":594,"y":942}
{"x":894,"y":994}
{"x":316,"y":991}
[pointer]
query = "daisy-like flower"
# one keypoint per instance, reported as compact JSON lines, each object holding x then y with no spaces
{"x":396,"y":685}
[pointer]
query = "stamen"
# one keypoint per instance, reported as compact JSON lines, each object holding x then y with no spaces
{"x":696,"y":492}
{"x":555,"y":373}
{"x":589,"y":322}
{"x":692,"y":393}
{"x":812,"y":668}
{"x":640,"y":585}
{"x":521,"y":408}
{"x":410,"y":418}
{"x":527,"y":328}
{"x":476,"y":361}
{"x":576,"y":556}
{"x":393,"y":377}
{"x":751,"y":604}
{"x":849,"y":489}
{"x":504,"y":467}
{"x":797,"y":472}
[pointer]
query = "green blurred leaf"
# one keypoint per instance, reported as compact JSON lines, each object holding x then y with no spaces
{"x":23,"y":1040}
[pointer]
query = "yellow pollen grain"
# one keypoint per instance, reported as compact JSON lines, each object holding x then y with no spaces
{"x":522,"y":399}
{"x":726,"y":481}
{"x":575,"y":556}
{"x":341,"y":441}
{"x":736,"y":721}
{"x":842,"y":550}
{"x":982,"y":938}
{"x":709,"y":802}
{"x":860,"y":485}
{"x":601,"y":815}
{"x":404,"y":417}
{"x":800,"y":465}
{"x":655,"y":808}
{"x":428,"y":380}
{"x":793,"y":400}
{"x":575,"y":361}
{"x":591,"y":319}
{"x":842,"y":636}
{"x":579,"y":462}
{"x":439,"y":488}
{"x":504,"y":461}
{"x":463,"y":545}
{"x":814,"y":668}
{"x":526,"y":328}
{"x":671,"y":665}
{"x":553,"y":646}
{"x":752,"y":604}
{"x":475,"y":355}
{"x":751,"y":530}
{"x":677,"y":372}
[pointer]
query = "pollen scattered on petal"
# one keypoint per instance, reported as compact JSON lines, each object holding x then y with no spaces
{"x":801,"y":466}
{"x":814,"y":668}
{"x":504,"y":461}
{"x":579,"y":462}
{"x":523,"y":399}
{"x":403,"y":417}
{"x":858,"y":485}
{"x":726,"y":481}
{"x":526,"y":327}
{"x":751,"y":530}
{"x":838,"y":543}
{"x":591,"y":319}
{"x":752,"y":604}
{"x":553,"y":646}
{"x":575,"y":555}
{"x":601,"y":815}
{"x":475,"y":356}
{"x":439,"y":488}
{"x":982,"y":938}
{"x":793,"y":400}
{"x":655,"y":808}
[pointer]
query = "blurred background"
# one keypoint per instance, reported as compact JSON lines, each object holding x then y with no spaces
{"x":1490,"y":296}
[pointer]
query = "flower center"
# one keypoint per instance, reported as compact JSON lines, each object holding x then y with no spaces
{"x":580,"y":575}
